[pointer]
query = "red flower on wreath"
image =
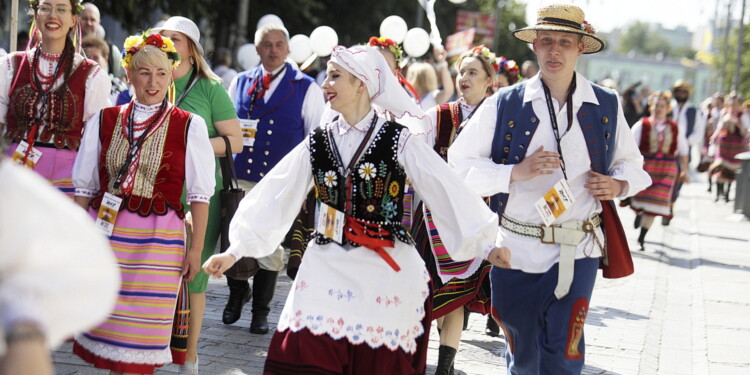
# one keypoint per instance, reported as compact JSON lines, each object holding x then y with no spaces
{"x":155,"y":40}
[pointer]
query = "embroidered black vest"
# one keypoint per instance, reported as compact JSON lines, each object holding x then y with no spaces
{"x":377,"y":186}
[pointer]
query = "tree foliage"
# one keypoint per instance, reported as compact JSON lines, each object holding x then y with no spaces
{"x":725,"y":65}
{"x":639,"y":38}
{"x":511,"y":16}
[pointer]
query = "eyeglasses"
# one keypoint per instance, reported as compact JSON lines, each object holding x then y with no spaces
{"x":46,"y":10}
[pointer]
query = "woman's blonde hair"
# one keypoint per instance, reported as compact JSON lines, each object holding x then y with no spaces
{"x":201,"y":66}
{"x":423,"y":77}
{"x":150,"y":55}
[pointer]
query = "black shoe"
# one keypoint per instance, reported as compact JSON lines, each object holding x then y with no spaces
{"x":637,"y":222}
{"x":446,"y":357}
{"x":665,"y":220}
{"x":492,"y":330}
{"x":259,"y":324}
{"x":238,"y":297}
{"x":642,"y":239}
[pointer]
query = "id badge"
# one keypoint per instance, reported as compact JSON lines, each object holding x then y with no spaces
{"x":249,"y":128}
{"x":33,"y":158}
{"x":330,"y":223}
{"x":555,"y":202}
{"x":105,"y":219}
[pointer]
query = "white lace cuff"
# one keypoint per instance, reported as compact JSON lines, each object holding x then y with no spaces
{"x":195,"y":197}
{"x":86,"y":193}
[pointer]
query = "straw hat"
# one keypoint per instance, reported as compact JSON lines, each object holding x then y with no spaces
{"x":682,"y":84}
{"x":185,"y":26}
{"x":565,"y":18}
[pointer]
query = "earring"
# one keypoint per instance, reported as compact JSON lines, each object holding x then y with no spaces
{"x":192,"y":60}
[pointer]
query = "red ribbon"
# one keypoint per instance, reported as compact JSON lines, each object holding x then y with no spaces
{"x":358,"y":233}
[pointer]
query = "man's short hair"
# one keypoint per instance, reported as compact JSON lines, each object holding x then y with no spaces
{"x":95,"y":41}
{"x":260,"y":33}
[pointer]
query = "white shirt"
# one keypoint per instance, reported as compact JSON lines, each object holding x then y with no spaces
{"x":57,"y":269}
{"x":469,"y":156}
{"x":679,"y":114}
{"x":682,"y":146}
{"x":98,"y":85}
{"x":347,"y":284}
{"x":199,"y":157}
{"x":432,"y":113}
{"x":312,"y":105}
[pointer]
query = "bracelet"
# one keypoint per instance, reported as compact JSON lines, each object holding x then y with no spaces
{"x":23,"y":333}
{"x":441,"y":65}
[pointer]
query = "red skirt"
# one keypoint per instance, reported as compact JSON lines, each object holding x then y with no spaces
{"x":293,"y":353}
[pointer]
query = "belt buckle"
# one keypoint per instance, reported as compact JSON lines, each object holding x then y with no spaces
{"x":542,"y":228}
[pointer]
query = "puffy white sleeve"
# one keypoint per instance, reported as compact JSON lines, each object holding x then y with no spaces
{"x":627,"y":161}
{"x":470,"y":154}
{"x":269,"y":209}
{"x":6,"y":79}
{"x":98,"y":87}
{"x":57,"y":269}
{"x":86,"y":166}
{"x":200,"y":179}
{"x":467,"y":226}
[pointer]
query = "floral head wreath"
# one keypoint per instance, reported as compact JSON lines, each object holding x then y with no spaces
{"x":509,"y":67}
{"x":485,"y":54}
{"x":134,"y":43}
{"x":387,"y":43}
{"x":77,"y":8}
{"x":660,"y":95}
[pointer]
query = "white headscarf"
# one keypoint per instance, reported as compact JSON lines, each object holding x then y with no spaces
{"x":386,"y":94}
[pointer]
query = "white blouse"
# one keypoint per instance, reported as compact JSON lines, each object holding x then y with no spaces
{"x":199,"y":157}
{"x":682,"y":144}
{"x":432,"y":113}
{"x":98,"y":84}
{"x":347,"y":291}
{"x":469,"y":156}
{"x":57,"y":269}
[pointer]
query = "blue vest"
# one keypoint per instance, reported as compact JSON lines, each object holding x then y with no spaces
{"x":517,"y":122}
{"x":280,"y":127}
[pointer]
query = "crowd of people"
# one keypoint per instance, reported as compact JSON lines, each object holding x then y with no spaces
{"x":463,"y":181}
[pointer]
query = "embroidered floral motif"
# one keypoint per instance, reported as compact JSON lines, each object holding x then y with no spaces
{"x":330,"y":179}
{"x":347,"y":295}
{"x":390,"y":210}
{"x":367,"y":171}
{"x":301,"y":286}
{"x":388,"y":301}
{"x":393,"y":189}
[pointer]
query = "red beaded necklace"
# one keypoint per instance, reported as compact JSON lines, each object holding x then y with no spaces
{"x":39,"y":80}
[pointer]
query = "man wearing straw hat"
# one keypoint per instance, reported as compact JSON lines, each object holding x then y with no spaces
{"x":526,"y":145}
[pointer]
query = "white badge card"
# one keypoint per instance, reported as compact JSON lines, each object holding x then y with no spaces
{"x":554,"y":202}
{"x":330,"y":223}
{"x":249,"y":128}
{"x":33,"y":158}
{"x":105,"y":219}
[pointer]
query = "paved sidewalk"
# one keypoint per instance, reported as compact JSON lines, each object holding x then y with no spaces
{"x":685,"y":311}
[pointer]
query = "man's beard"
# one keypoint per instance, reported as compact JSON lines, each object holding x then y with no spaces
{"x":681,"y":100}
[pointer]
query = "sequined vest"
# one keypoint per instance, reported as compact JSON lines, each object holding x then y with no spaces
{"x":377,"y":182}
{"x":160,"y":175}
{"x":649,"y":143}
{"x":63,"y":122}
{"x":448,"y":120}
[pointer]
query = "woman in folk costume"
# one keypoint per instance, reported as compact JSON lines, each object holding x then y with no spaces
{"x":142,"y":154}
{"x":360,"y":302}
{"x":455,"y":284}
{"x":200,"y":91}
{"x":662,"y":150}
{"x":730,"y":138}
{"x":48,"y":92}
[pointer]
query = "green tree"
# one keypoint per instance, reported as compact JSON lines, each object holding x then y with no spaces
{"x":726,"y":65}
{"x":511,"y":15}
{"x":639,"y":38}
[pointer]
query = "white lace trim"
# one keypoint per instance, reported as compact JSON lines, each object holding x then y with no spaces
{"x":125,"y":355}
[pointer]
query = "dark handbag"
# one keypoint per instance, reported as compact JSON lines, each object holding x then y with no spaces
{"x":230,"y":197}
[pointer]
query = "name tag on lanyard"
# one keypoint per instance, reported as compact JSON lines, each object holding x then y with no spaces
{"x":249,"y":128}
{"x":331,"y":223}
{"x":107,"y":216}
{"x":20,"y":153}
{"x":555,"y":202}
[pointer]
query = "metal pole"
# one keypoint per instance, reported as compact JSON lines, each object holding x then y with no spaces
{"x":727,"y":26}
{"x":241,"y":31}
{"x":420,"y":12}
{"x":14,"y":26}
{"x":738,"y":60}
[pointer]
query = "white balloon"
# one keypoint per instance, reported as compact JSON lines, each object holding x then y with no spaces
{"x":323,"y":39}
{"x":394,"y":28}
{"x":268,"y":19}
{"x":247,"y":56}
{"x":417,"y":42}
{"x":300,"y":48}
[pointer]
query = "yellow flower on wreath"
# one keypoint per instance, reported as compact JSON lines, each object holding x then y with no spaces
{"x":134,"y":43}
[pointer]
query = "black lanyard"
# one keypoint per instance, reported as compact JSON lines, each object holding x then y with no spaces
{"x":189,"y":86}
{"x":135,"y":145}
{"x":346,"y":172}
{"x":461,"y":120}
{"x":258,"y":85}
{"x":38,"y":86}
{"x":553,"y":117}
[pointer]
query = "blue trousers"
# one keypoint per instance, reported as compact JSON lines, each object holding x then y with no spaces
{"x":544,"y":335}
